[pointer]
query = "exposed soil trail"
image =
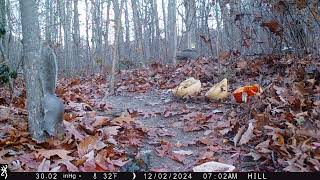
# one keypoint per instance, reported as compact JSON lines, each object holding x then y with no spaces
{"x":153,"y":107}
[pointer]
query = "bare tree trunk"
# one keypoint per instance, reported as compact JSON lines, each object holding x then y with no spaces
{"x":137,"y":30}
{"x":225,"y":16}
{"x":206,"y":28}
{"x":3,"y":23}
{"x":158,"y":36}
{"x":54,"y":20}
{"x":88,"y":51}
{"x":5,"y":31}
{"x":93,"y":29}
{"x":106,"y":34}
{"x":8,"y":37}
{"x":172,"y":31}
{"x":93,"y":35}
{"x":236,"y":33}
{"x":67,"y":38}
{"x":190,"y":7}
{"x":218,"y":40}
{"x":115,"y":55}
{"x":4,"y":40}
{"x":146,"y":33}
{"x":48,"y":25}
{"x":164,"y":29}
{"x":98,"y":33}
{"x":76,"y":34}
{"x":31,"y":47}
{"x":65,"y":14}
{"x":127,"y":36}
{"x":61,"y":20}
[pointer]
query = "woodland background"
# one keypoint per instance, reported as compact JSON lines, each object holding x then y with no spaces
{"x":152,"y":30}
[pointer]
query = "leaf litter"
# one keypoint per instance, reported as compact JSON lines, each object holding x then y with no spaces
{"x":277,"y":130}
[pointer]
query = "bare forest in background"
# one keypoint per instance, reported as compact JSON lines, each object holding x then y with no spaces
{"x":148,"y":33}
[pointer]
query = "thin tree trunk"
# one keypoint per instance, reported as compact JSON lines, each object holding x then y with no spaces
{"x":67,"y":38}
{"x":106,"y":34}
{"x":98,"y":29}
{"x":165,"y":29}
{"x":190,"y":7}
{"x":218,"y":40}
{"x":7,"y":44}
{"x":61,"y":20}
{"x":158,"y":36}
{"x":146,"y":34}
{"x":93,"y":35}
{"x":115,"y":55}
{"x":3,"y":23}
{"x":137,"y":30}
{"x":172,"y":31}
{"x":31,"y":49}
{"x":127,"y":35}
{"x":47,"y":21}
{"x":88,"y":51}
{"x":76,"y":34}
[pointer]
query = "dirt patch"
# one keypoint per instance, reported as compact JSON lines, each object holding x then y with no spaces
{"x":162,"y":126}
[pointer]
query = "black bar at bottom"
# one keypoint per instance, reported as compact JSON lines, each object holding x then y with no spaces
{"x":160,"y":176}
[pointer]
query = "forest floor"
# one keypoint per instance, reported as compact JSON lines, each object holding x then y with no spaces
{"x":171,"y":145}
{"x":144,"y":127}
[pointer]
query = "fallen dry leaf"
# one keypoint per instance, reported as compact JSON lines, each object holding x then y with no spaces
{"x":263,"y":147}
{"x":89,"y":165}
{"x":63,"y":154}
{"x":238,"y":135}
{"x":70,"y":128}
{"x":44,"y":166}
{"x":164,"y":149}
{"x":248,"y":135}
{"x":123,"y":119}
{"x":90,"y":143}
{"x":70,"y":167}
{"x":177,"y":157}
{"x":117,"y":162}
{"x":100,"y":121}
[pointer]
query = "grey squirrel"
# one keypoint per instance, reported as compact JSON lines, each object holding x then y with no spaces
{"x":52,"y":106}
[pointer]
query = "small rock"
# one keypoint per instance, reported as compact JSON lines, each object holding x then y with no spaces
{"x":214,"y":167}
{"x":217,"y":111}
{"x":183,"y":152}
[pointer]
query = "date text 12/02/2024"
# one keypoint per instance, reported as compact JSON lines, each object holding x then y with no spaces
{"x":205,"y":176}
{"x":189,"y":176}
